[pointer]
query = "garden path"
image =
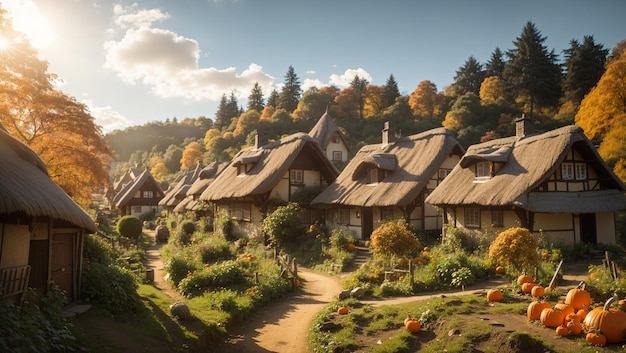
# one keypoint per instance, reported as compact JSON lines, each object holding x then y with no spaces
{"x":154,"y":262}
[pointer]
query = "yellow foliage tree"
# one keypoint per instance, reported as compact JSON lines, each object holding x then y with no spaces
{"x":393,"y":238}
{"x":192,"y":154}
{"x":425,"y":102}
{"x":515,"y":247}
{"x":491,"y":90}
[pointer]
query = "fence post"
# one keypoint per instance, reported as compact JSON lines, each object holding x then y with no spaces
{"x":411,"y":271}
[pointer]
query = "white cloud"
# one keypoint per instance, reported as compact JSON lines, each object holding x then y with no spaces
{"x":308,"y":83}
{"x":108,"y":118}
{"x":168,"y":62}
{"x":343,"y":81}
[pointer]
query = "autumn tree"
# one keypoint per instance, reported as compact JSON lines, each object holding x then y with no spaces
{"x":192,"y":154}
{"x":532,"y":72}
{"x":314,"y":102}
{"x":516,"y":247}
{"x":394,"y":239}
{"x":255,"y":99}
{"x":246,"y":123}
{"x":491,"y":90}
{"x":291,"y":92}
{"x":347,"y":105}
{"x":602,"y":113}
{"x":425,"y":102}
{"x":359,"y":86}
{"x":53,"y":124}
{"x":172,"y":156}
{"x":373,"y":105}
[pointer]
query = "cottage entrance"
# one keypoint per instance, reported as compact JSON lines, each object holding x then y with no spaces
{"x":588,"y":228}
{"x":62,"y":262}
{"x":367,"y":222}
{"x":38,"y":261}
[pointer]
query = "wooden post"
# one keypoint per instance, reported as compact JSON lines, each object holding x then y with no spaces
{"x":552,"y":282}
{"x":256,"y":278}
{"x":411,"y":271}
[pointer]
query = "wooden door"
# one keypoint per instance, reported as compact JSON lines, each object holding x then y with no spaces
{"x":62,"y":262}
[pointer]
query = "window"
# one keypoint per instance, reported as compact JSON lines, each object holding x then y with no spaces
{"x":386,"y":213}
{"x":567,"y":171}
{"x":297,"y":176}
{"x":136,"y":209}
{"x":343,"y":216}
{"x":581,"y":171}
{"x":335,"y":139}
{"x":443,"y":173}
{"x":483,"y":170}
{"x":240,"y":210}
{"x":373,"y":176}
{"x":148,"y":194}
{"x":472,"y":217}
{"x":337,"y":155}
{"x":497,"y":219}
{"x":241,"y":169}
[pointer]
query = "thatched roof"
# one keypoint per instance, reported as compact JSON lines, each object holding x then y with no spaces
{"x":530,"y":161}
{"x":206,"y":177}
{"x":274,"y":160}
{"x":129,"y":189}
{"x":26,"y":188}
{"x":324,"y":130}
{"x":411,"y":162}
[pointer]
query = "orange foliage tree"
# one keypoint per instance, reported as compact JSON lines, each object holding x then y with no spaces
{"x":515,"y":247}
{"x":54,"y":125}
{"x":394,"y":238}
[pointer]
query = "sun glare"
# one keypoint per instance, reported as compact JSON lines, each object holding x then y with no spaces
{"x":4,"y":45}
{"x":27,"y":19}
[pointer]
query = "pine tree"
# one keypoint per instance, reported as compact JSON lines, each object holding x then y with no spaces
{"x":390,"y":92}
{"x":272,"y":100}
{"x":359,"y":85}
{"x":221,"y":115}
{"x":584,"y":65}
{"x":495,"y":65}
{"x":255,"y":99}
{"x":469,"y":77}
{"x":532,"y":72}
{"x":291,"y":92}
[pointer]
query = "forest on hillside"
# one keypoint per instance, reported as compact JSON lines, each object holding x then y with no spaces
{"x":480,"y":105}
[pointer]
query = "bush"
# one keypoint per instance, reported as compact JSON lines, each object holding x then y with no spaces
{"x":113,"y":287}
{"x":283,"y":225}
{"x":178,"y":267}
{"x":130,"y":227}
{"x":188,"y":227}
{"x":515,"y":247}
{"x":393,"y":238}
{"x":223,"y":225}
{"x":215,"y":249}
{"x":223,"y":274}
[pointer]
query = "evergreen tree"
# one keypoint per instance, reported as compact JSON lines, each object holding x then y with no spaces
{"x":532,"y":72}
{"x":390,"y":92}
{"x":221,"y":115}
{"x":359,"y":85}
{"x":291,"y":92}
{"x":495,"y":65}
{"x":255,"y":99}
{"x":272,"y":100}
{"x":584,"y":65}
{"x":469,"y":77}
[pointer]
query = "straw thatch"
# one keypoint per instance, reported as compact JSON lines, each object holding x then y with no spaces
{"x":206,"y":177}
{"x":324,"y":130}
{"x":26,"y":188}
{"x":409,"y":161}
{"x":529,"y":162}
{"x":273,"y":160}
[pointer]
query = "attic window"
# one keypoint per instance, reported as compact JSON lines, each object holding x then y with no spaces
{"x":242,"y":169}
{"x":374,"y":175}
{"x":580,"y":171}
{"x":567,"y":171}
{"x":335,"y":139}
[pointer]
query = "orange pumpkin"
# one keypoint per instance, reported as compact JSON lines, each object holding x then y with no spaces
{"x":574,"y":327}
{"x":412,"y":325}
{"x":582,"y":313}
{"x":524,"y":279}
{"x":551,"y":317}
{"x":578,"y":297}
{"x":537,"y":291}
{"x":596,"y":338}
{"x":565,"y":308}
{"x":610,"y":321}
{"x":500,"y":270}
{"x":534,"y":309}
{"x":622,"y":304}
{"x":343,"y":310}
{"x":562,"y":330}
{"x":527,"y":287}
{"x":351,"y":247}
{"x":494,"y":295}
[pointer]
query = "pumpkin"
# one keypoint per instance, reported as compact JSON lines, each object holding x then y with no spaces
{"x":565,"y":308}
{"x":622,"y":304}
{"x":494,"y":295}
{"x":500,"y":270}
{"x":412,"y":325}
{"x":527,"y":287}
{"x":537,"y":291}
{"x":562,"y":330}
{"x":578,"y":297}
{"x":572,"y":316}
{"x":582,"y":313}
{"x":596,"y":338}
{"x":551,"y":317}
{"x":610,"y":321}
{"x":534,"y":309}
{"x":351,"y":247}
{"x":343,"y":310}
{"x":524,"y":279}
{"x":574,"y":327}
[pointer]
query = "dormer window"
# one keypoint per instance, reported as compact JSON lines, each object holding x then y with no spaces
{"x":580,"y":171}
{"x":374,"y":176}
{"x":567,"y":171}
{"x":241,"y":169}
{"x":483,"y":170}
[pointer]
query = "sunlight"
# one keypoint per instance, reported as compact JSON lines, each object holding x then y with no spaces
{"x":4,"y":45}
{"x":29,"y":20}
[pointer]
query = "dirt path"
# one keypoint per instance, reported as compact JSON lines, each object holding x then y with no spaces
{"x":154,"y":262}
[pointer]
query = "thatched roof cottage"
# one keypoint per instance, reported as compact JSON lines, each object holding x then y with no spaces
{"x":330,"y":138}
{"x":267,"y":174}
{"x":554,"y":182}
{"x":41,"y":227}
{"x":139,"y":196}
{"x":390,"y":180}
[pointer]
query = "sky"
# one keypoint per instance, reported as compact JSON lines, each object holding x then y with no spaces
{"x":133,"y":62}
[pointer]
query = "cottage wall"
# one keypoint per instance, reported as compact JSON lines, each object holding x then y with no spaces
{"x":15,"y":240}
{"x":605,"y":227}
{"x":336,"y":145}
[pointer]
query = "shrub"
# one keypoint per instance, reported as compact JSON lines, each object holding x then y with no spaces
{"x":215,"y":249}
{"x":515,"y":247}
{"x":283,"y":225}
{"x":188,"y":227}
{"x":96,"y":249}
{"x":223,"y":274}
{"x":130,"y":227}
{"x":178,"y":267}
{"x":113,"y":287}
{"x":393,"y":238}
{"x":223,"y":225}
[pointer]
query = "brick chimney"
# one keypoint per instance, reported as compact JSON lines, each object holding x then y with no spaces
{"x":523,"y":126}
{"x":259,"y":140}
{"x":389,"y":134}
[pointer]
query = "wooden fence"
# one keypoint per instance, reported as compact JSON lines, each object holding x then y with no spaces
{"x":14,"y":281}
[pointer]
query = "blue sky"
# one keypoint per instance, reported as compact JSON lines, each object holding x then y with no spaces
{"x":137,"y":61}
